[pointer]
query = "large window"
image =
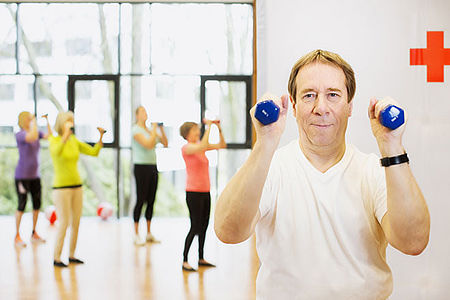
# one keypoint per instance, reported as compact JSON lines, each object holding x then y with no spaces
{"x":182,"y":62}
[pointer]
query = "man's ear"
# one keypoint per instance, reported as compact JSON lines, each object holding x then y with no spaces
{"x":294,"y":111}
{"x":351,"y":109}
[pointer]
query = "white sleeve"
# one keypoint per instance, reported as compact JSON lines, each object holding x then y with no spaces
{"x":379,"y":194}
{"x":269,"y":192}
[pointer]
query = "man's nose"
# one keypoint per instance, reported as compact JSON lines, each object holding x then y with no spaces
{"x":321,"y":105}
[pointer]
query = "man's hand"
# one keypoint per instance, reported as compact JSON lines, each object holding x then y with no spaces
{"x":389,"y":141}
{"x":271,"y":133}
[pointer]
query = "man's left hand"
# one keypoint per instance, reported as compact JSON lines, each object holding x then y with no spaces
{"x":389,"y":141}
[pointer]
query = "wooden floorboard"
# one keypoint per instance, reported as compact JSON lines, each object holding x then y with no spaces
{"x":116,"y":269}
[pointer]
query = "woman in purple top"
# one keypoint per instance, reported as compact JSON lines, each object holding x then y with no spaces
{"x":27,"y":171}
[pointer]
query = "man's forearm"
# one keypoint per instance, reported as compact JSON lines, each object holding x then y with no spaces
{"x":238,"y":205}
{"x":408,"y":216}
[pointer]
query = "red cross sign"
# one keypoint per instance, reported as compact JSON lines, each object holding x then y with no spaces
{"x":435,"y":56}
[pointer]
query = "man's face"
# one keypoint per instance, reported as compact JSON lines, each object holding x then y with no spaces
{"x":322,"y":109}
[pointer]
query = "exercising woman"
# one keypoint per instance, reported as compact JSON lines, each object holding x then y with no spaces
{"x":198,"y":196}
{"x":27,"y":176}
{"x":145,"y":170}
{"x":65,"y":150}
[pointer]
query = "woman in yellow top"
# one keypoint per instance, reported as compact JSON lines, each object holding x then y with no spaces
{"x":65,"y":151}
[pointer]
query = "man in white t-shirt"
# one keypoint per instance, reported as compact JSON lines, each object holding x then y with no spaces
{"x":323,"y":211}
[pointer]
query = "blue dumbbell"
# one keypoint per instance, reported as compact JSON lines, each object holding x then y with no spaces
{"x":392,"y":117}
{"x":267,"y":112}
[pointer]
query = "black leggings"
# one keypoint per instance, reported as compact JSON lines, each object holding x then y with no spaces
{"x":25,"y":186}
{"x":199,"y":205}
{"x":146,"y":183}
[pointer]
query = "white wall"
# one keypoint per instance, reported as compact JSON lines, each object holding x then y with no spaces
{"x":375,"y":38}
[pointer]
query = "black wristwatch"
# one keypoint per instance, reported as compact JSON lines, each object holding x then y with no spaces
{"x":394,"y":160}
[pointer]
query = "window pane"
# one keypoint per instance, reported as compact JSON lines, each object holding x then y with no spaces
{"x":94,"y":107}
{"x":51,"y":98}
{"x":205,"y":39}
{"x":226,"y":101}
{"x":14,"y":98}
{"x":168,"y":99}
{"x":69,"y":38}
{"x":7,"y":38}
{"x":135,"y":39}
{"x":127,"y":92}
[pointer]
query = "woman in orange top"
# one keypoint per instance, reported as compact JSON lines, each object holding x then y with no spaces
{"x":198,"y":197}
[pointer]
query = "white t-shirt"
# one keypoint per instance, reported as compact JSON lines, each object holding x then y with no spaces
{"x":320,"y":236}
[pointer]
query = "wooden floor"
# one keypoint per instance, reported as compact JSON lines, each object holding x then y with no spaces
{"x":116,"y":269}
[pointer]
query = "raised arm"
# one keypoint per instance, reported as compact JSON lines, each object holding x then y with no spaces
{"x":222,"y":144}
{"x":150,"y":142}
{"x":204,"y":142}
{"x":49,"y":128}
{"x":100,"y":139}
{"x":163,"y":136}
{"x":406,"y":223}
{"x":92,"y":150}
{"x":237,"y":209}
{"x":33,"y":134}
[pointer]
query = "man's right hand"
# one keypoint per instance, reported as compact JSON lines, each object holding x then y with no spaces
{"x":271,"y":133}
{"x":237,"y":209}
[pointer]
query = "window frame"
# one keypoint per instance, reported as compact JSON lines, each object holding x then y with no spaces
{"x":248,"y":104}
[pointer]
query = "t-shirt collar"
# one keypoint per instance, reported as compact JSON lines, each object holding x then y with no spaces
{"x":340,"y":165}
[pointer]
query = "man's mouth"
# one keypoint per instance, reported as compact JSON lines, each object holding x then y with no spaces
{"x":322,"y":125}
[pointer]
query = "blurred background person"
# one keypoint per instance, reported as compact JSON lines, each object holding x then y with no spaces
{"x":27,"y":177}
{"x":65,"y":150}
{"x":198,"y":197}
{"x":145,"y":170}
